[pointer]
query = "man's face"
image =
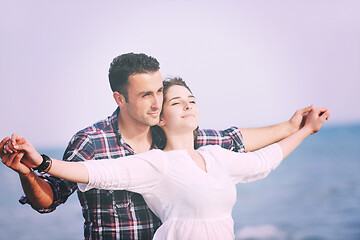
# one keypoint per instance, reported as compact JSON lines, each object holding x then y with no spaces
{"x":145,"y":97}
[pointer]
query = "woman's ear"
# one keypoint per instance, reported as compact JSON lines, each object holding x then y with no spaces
{"x":119,"y":98}
{"x":161,"y":122}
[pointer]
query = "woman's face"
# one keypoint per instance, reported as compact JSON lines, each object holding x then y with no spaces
{"x":180,"y":112}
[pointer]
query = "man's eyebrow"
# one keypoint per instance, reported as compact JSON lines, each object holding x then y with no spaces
{"x":145,"y":92}
{"x":150,"y":92}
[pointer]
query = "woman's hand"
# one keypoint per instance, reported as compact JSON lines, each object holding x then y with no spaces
{"x":15,"y":160}
{"x":298,"y":119}
{"x":313,"y":122}
{"x":19,"y":144}
{"x":315,"y":119}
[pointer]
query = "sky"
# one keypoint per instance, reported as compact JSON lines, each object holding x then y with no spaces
{"x":249,"y":63}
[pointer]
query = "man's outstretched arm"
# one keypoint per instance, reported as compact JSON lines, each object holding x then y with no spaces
{"x":37,"y":190}
{"x":256,"y":138}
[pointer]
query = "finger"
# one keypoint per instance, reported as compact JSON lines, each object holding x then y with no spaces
{"x":10,"y":145}
{"x":14,"y":138}
{"x":5,"y":158}
{"x":18,"y":157}
{"x":23,"y":146}
{"x":3,"y":142}
{"x":328,"y":114}
{"x":320,"y":109}
{"x":324,"y":115}
{"x":306,"y":110}
{"x":7,"y":148}
{"x":19,"y":141}
{"x":4,"y":150}
{"x":11,"y":159}
{"x":22,"y":140}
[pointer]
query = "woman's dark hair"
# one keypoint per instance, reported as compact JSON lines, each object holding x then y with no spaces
{"x":173,"y":81}
{"x":157,"y":132}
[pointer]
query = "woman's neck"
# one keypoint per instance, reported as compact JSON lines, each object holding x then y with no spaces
{"x":184,"y":141}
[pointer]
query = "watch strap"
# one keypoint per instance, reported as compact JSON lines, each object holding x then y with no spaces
{"x":44,"y":167}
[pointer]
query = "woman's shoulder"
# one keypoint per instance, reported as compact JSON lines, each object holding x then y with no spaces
{"x":210,"y":148}
{"x":216,"y":151}
{"x":152,"y":152}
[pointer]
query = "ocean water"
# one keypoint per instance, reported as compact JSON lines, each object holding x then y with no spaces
{"x":313,"y":195}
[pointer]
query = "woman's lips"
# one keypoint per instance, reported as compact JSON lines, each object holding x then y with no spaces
{"x":188,"y":115}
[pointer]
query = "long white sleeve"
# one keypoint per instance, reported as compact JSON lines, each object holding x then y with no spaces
{"x":250,"y":166}
{"x":136,"y":173}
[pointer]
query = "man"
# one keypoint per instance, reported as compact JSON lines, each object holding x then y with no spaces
{"x":136,"y":83}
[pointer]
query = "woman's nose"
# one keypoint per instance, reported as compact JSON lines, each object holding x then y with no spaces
{"x":187,"y":106}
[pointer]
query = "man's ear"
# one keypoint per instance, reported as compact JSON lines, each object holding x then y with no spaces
{"x":119,"y":98}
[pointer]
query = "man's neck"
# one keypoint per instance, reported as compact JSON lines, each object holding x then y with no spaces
{"x":137,"y":136}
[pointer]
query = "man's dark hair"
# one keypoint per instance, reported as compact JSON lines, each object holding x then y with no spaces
{"x":123,"y":66}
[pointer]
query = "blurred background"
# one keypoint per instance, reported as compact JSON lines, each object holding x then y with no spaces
{"x":249,"y":63}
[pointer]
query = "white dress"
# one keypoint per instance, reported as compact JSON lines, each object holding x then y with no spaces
{"x":191,"y":203}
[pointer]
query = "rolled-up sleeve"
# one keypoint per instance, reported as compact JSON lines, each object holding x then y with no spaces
{"x":230,"y":138}
{"x":80,"y":148}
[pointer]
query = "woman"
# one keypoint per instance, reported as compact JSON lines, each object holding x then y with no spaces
{"x":191,"y":191}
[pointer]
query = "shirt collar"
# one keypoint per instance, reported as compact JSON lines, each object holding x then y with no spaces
{"x":158,"y":141}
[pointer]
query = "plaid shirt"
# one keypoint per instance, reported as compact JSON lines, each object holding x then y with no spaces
{"x":118,"y":214}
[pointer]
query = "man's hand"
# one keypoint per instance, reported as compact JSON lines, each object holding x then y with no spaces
{"x":13,"y":159}
{"x":19,"y":143}
{"x":2,"y":146}
{"x":18,"y":154}
{"x":298,"y":119}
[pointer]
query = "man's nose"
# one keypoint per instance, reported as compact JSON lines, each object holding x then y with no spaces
{"x":157,"y":102}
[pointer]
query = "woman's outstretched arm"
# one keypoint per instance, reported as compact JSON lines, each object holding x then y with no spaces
{"x":251,"y":166}
{"x":256,"y":138}
{"x":141,"y":174}
{"x":72,"y":171}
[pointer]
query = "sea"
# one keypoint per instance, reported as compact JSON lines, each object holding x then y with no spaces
{"x":313,"y":195}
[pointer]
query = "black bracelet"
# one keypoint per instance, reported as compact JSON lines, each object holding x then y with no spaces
{"x":44,"y":165}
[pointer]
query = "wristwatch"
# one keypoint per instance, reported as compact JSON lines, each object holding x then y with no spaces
{"x":45,"y":166}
